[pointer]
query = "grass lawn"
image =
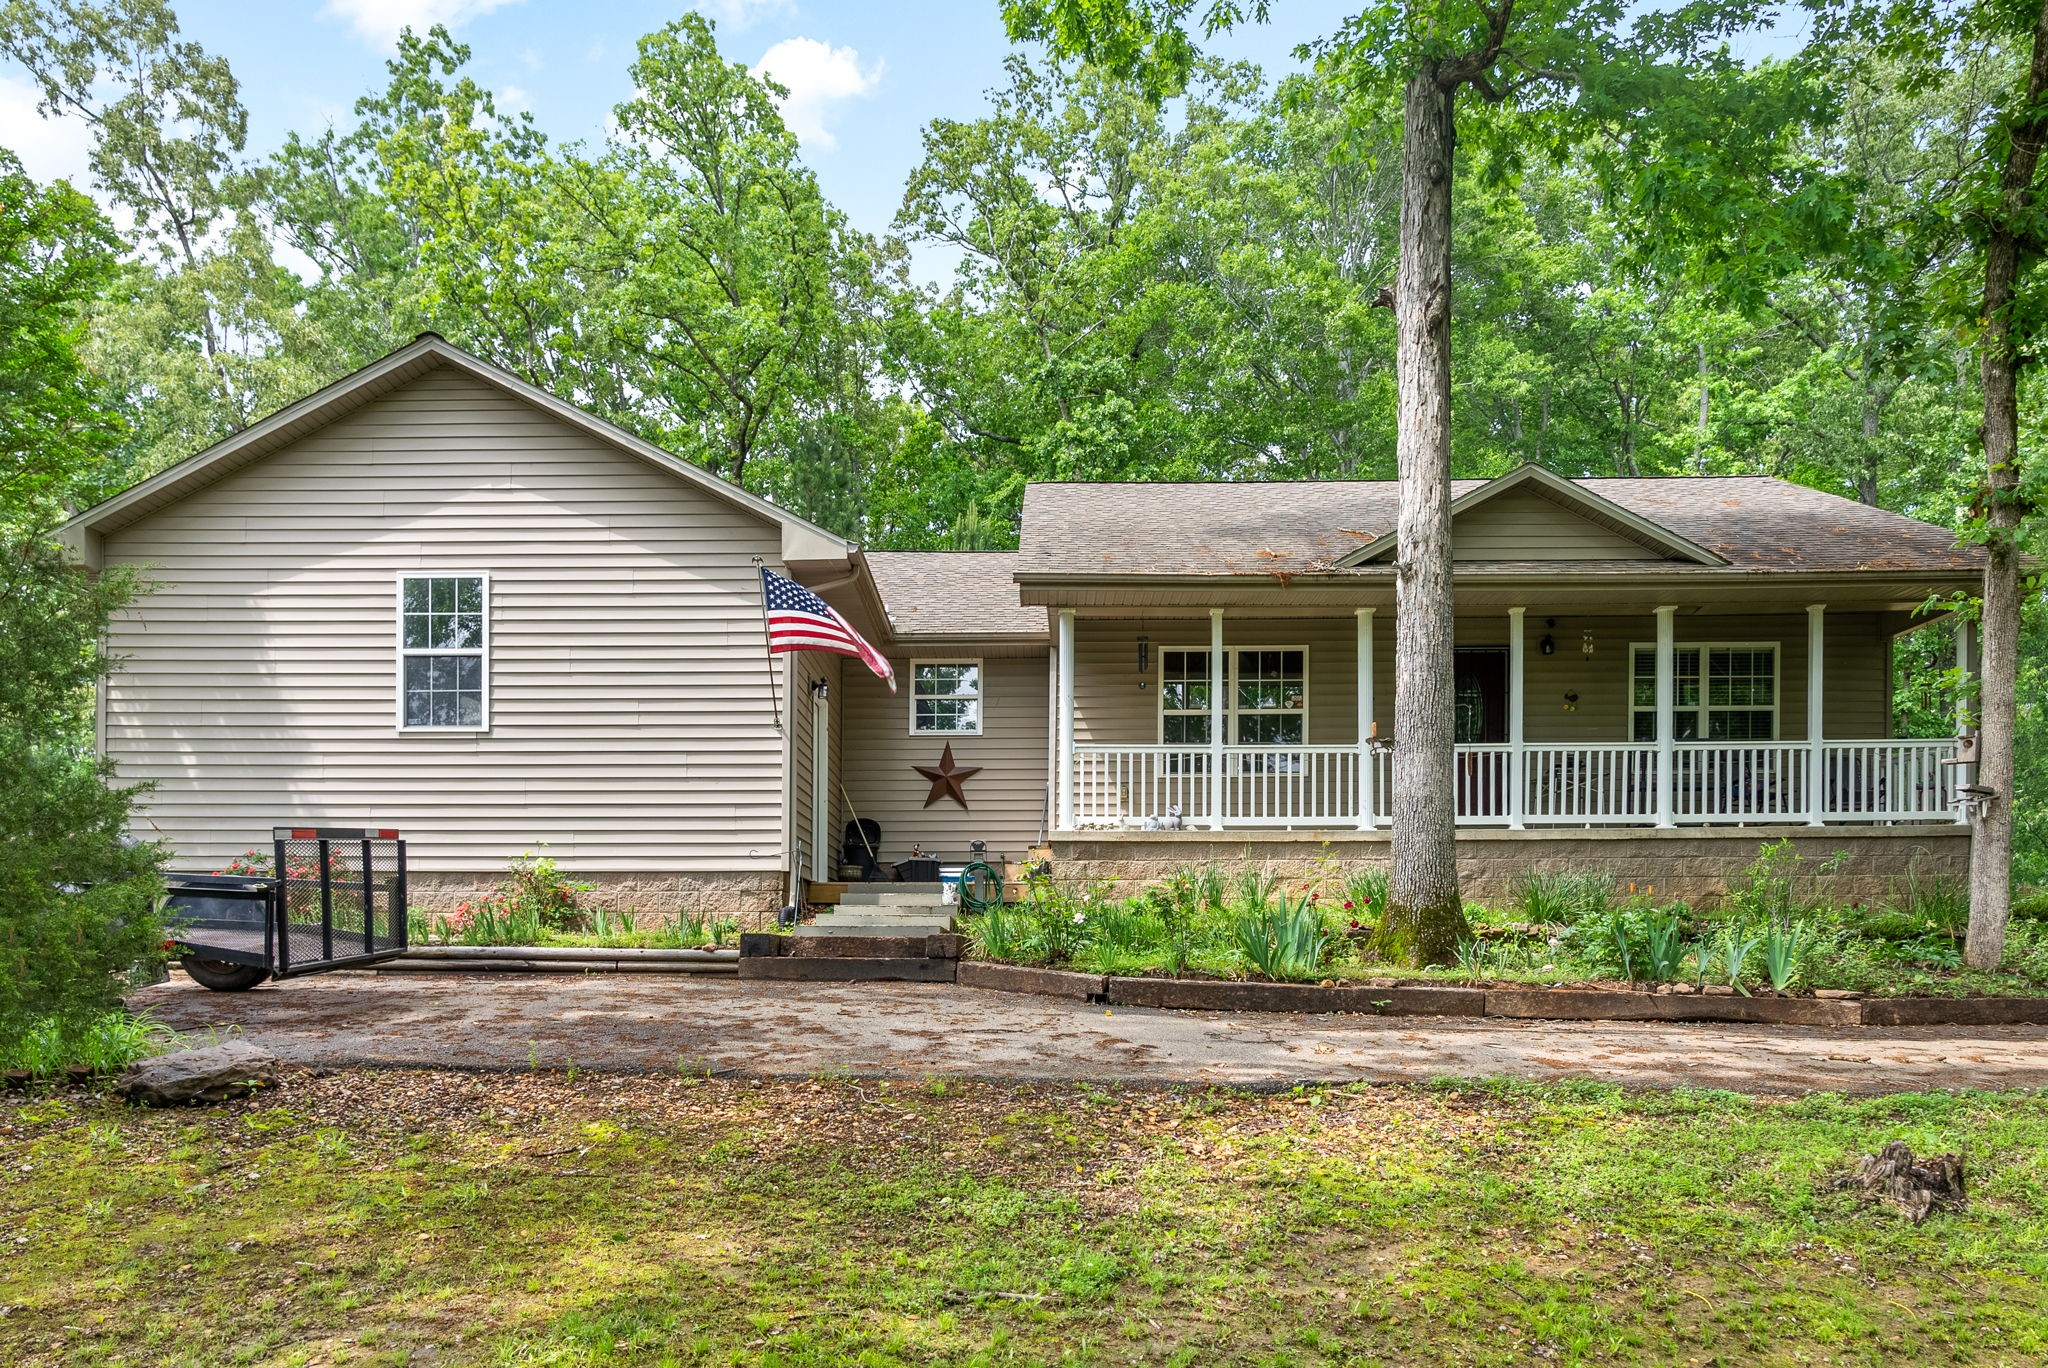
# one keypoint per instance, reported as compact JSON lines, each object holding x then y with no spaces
{"x":424,"y":1218}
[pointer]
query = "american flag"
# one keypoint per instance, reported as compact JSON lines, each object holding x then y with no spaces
{"x":798,"y":620}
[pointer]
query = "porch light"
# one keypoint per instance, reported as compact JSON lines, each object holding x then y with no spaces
{"x":1548,"y":645}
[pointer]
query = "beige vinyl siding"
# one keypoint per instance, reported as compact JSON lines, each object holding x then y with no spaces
{"x":630,"y":715}
{"x":1522,"y":525}
{"x":1111,"y":708}
{"x":811,"y":667}
{"x":1005,"y":801}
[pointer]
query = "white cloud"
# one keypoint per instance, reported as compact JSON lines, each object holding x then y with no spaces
{"x":50,"y":149}
{"x":379,"y":22}
{"x":513,"y":99}
{"x":819,"y":76}
{"x":738,"y":14}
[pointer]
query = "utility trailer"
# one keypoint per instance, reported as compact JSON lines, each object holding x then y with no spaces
{"x":334,"y":899}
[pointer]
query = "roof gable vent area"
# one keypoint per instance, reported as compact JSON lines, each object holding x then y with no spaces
{"x":1530,"y":514}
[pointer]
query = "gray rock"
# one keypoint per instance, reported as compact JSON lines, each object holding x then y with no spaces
{"x":212,"y":1074}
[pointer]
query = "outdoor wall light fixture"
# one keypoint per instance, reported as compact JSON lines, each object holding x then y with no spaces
{"x":1548,"y":645}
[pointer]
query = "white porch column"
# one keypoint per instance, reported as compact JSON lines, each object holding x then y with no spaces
{"x":1066,"y":721}
{"x":1218,"y":717}
{"x":1667,"y":723}
{"x":1966,"y":632}
{"x":1368,"y":801}
{"x":1816,"y":701}
{"x":821,"y":781}
{"x":1516,"y":782}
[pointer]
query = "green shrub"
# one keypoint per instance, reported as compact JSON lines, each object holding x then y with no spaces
{"x":1286,"y":942}
{"x":1564,"y":897}
{"x":78,"y":901}
{"x":1366,"y":890}
{"x":105,"y":1042}
{"x":995,"y":932}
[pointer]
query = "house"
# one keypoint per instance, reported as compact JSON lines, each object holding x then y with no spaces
{"x":431,"y":596}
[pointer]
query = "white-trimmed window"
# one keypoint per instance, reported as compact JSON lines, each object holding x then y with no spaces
{"x":1269,"y":694}
{"x":1720,"y":692}
{"x":1184,"y":702}
{"x":945,"y":697}
{"x":1266,"y":697}
{"x":444,"y":636}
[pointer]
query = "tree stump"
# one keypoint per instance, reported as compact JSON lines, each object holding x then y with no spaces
{"x":1914,"y":1187}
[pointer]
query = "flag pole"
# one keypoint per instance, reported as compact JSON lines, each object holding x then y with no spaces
{"x":767,"y":645}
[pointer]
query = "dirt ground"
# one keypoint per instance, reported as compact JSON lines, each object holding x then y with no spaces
{"x":648,"y":1023}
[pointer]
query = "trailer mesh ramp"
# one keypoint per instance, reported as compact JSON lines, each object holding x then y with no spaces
{"x":341,"y":896}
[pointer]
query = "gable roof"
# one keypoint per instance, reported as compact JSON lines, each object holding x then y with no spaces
{"x":1748,"y":524}
{"x":953,"y":593}
{"x":801,"y":540}
{"x":1584,"y":503}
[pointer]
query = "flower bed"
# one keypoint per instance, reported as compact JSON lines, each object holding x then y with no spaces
{"x":537,"y":905}
{"x":1778,"y":934}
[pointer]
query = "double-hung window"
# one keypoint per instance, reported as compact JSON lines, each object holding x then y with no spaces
{"x":1265,"y":698}
{"x":443,"y":652}
{"x":1719,"y":693}
{"x":945,"y":697}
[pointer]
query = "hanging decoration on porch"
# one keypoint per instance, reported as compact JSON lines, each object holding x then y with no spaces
{"x":947,"y":778}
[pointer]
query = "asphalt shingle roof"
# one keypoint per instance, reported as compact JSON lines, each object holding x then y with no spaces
{"x":952,"y":592}
{"x":1756,"y":523}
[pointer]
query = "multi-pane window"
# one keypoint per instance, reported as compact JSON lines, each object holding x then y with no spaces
{"x":1271,"y":693}
{"x":1735,"y":698}
{"x":443,"y":637}
{"x":945,"y":697}
{"x":1265,"y":697}
{"x":1184,"y":702}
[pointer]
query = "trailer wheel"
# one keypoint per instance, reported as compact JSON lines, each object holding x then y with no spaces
{"x":221,"y":976}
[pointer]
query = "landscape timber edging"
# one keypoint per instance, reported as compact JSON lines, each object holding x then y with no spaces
{"x":1242,"y":995}
{"x":1565,"y":1004}
{"x":1024,"y":978}
{"x":829,"y":969}
{"x":1988,"y":1011}
{"x":1526,"y":1004}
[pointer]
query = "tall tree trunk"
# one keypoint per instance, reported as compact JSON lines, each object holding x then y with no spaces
{"x":1991,"y":846}
{"x":1699,"y":438}
{"x":1866,"y":480}
{"x":1425,"y":919}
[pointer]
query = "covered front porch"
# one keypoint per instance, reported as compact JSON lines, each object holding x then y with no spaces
{"x":1571,"y":713}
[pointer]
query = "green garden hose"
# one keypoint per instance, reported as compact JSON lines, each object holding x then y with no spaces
{"x":980,"y":887}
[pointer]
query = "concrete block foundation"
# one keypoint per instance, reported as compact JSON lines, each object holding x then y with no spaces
{"x":1693,"y":864}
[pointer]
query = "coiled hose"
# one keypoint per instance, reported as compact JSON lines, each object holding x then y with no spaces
{"x":980,"y":887}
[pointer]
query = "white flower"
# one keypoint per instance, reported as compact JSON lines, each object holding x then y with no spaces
{"x":1078,"y":919}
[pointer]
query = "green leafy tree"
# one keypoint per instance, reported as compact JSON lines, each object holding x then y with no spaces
{"x":1556,"y":71}
{"x":723,"y":250}
{"x":55,"y":252}
{"x":76,"y":906}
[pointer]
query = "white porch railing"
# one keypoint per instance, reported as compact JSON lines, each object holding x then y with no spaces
{"x":1131,"y":787}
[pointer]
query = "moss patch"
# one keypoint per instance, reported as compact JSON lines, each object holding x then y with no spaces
{"x":413,"y":1218}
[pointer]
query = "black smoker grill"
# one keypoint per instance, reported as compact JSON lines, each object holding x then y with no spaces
{"x":335,"y":898}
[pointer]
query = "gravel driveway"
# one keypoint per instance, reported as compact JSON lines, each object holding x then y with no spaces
{"x":637,"y":1023}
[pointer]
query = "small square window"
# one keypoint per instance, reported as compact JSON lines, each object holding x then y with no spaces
{"x":945,"y":697}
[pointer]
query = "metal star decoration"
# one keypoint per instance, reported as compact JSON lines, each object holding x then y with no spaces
{"x":947,"y":778}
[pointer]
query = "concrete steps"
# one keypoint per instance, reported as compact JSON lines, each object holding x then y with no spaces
{"x":895,"y":909}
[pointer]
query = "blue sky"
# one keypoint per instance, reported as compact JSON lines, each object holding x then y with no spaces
{"x":865,"y":78}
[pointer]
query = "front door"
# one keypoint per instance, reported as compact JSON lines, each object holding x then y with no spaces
{"x":1480,"y":696}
